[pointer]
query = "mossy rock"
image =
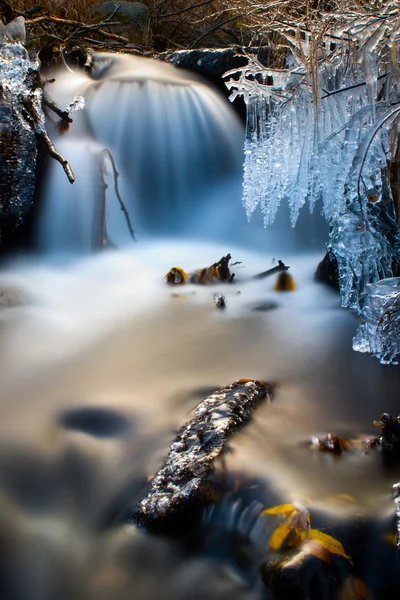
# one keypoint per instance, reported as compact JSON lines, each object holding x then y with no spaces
{"x":134,"y":19}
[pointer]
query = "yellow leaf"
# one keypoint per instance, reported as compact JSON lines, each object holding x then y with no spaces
{"x":329,"y":543}
{"x":176,"y":276}
{"x":279,"y":535}
{"x":281,"y":509}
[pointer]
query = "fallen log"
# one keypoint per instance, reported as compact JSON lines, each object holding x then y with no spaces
{"x":184,"y":481}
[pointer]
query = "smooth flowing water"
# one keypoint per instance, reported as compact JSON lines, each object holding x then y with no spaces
{"x":100,"y":365}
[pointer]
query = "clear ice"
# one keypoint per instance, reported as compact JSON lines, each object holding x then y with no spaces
{"x":379,"y":330}
{"x":19,"y":83}
{"x":324,"y":136}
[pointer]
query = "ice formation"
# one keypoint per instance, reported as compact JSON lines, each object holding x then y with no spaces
{"x":323,"y":131}
{"x":21,"y":95}
{"x":379,"y":331}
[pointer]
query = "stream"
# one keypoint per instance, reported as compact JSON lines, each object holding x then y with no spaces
{"x":100,"y":364}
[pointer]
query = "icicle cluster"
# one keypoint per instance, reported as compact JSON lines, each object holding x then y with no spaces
{"x":379,"y":331}
{"x":325,"y":134}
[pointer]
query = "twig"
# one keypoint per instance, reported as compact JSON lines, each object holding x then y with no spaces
{"x":41,"y":132}
{"x":63,"y":114}
{"x":349,"y":87}
{"x":123,"y":207}
{"x":182,"y":10}
{"x":280,"y":267}
{"x":53,"y":152}
{"x":213,"y":28}
{"x":81,"y":26}
{"x":85,"y":27}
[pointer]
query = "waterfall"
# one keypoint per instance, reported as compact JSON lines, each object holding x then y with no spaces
{"x":178,"y":147}
{"x":174,"y":141}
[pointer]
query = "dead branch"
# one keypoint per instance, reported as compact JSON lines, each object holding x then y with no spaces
{"x":85,"y":28}
{"x":57,"y":156}
{"x":121,"y":202}
{"x":280,"y":267}
{"x":183,"y":10}
{"x":212,"y":29}
{"x":42,"y":133}
{"x":63,"y":114}
{"x":81,"y":28}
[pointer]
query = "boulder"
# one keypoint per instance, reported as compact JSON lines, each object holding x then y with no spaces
{"x":133,"y":16}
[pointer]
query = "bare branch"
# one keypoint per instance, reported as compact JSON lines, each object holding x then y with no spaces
{"x":63,"y":114}
{"x":183,"y":10}
{"x":57,"y":156}
{"x":121,"y":202}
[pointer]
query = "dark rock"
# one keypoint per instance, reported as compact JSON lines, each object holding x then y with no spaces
{"x":265,"y":306}
{"x":99,"y":422}
{"x":219,"y":300}
{"x":133,"y":16}
{"x":300,"y":576}
{"x":327,"y":270}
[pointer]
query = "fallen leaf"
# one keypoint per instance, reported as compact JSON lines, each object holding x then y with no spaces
{"x":328,"y":542}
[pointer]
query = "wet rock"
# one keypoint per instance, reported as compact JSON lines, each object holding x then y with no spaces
{"x":330,"y":443}
{"x":327,"y":270}
{"x":99,"y":422}
{"x":183,"y":483}
{"x":389,"y":439}
{"x":219,"y":301}
{"x":133,"y":16}
{"x":13,"y":32}
{"x":265,"y":306}
{"x":301,"y":576}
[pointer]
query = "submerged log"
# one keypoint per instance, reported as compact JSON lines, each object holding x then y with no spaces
{"x":184,"y":481}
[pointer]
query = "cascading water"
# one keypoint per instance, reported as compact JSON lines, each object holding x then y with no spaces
{"x":100,"y":364}
{"x":178,"y":148}
{"x":173,"y":140}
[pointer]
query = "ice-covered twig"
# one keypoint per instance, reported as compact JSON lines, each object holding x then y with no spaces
{"x":63,"y":114}
{"x":370,"y":138}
